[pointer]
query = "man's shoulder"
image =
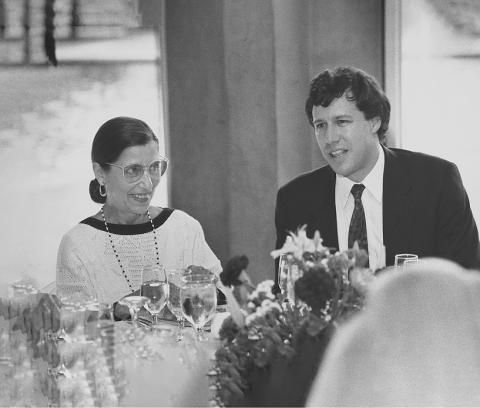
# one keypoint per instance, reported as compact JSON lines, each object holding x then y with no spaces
{"x":306,"y":180}
{"x":417,"y":161}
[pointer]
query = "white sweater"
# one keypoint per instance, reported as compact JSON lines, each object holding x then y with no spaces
{"x":86,"y":262}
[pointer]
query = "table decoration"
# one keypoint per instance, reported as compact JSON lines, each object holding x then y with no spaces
{"x":279,"y":343}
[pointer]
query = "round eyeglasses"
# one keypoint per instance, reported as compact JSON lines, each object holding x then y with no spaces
{"x":134,"y":172}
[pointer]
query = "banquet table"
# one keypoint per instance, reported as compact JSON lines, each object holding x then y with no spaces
{"x":94,"y":363}
{"x":52,"y":356}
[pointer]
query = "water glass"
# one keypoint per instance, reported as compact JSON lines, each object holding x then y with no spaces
{"x":403,"y":261}
{"x":198,"y":296}
{"x":175,"y":282}
{"x":155,"y":288}
{"x":287,"y":275}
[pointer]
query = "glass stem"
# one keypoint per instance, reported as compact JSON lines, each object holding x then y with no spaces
{"x":181,"y":325}
{"x":200,"y":336}
{"x":133,"y":315}
{"x":155,"y":321}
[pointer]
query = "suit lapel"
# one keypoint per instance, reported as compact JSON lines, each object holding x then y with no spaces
{"x":324,"y":213}
{"x":396,"y":206}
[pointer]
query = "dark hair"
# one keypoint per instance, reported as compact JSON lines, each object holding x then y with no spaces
{"x":357,"y":86}
{"x":111,"y":139}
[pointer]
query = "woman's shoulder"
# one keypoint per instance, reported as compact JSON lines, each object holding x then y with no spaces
{"x":81,"y":227}
{"x":179,"y":217}
{"x":78,"y":236}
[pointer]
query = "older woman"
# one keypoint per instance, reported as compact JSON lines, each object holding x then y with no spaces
{"x":417,"y":344}
{"x":105,"y":254}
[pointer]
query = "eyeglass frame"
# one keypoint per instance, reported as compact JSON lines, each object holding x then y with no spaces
{"x":162,"y":159}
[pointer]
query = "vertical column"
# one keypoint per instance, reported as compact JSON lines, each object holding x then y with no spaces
{"x":198,"y":132}
{"x":345,"y":32}
{"x":27,"y":46}
{"x":75,"y":20}
{"x":3,"y":19}
{"x":252,"y":155}
{"x":294,"y":136}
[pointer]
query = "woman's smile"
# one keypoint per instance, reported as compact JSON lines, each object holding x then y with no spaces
{"x":141,"y":197}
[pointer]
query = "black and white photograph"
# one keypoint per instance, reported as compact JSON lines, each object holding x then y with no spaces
{"x":239,"y":203}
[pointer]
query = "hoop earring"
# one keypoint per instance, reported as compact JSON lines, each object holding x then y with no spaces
{"x":103,"y":192}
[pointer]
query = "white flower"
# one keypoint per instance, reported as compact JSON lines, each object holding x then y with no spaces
{"x":288,"y":247}
{"x":266,"y":286}
{"x":302,"y":242}
{"x":318,"y":242}
{"x":298,"y":243}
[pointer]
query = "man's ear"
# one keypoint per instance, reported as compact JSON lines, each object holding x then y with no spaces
{"x":375,"y":124}
{"x":99,"y":173}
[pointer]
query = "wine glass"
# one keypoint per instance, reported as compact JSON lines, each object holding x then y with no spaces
{"x":402,"y":261}
{"x":198,"y":296}
{"x":71,"y":319}
{"x":134,"y":304}
{"x":175,"y":282}
{"x":105,"y":327}
{"x":155,"y":288}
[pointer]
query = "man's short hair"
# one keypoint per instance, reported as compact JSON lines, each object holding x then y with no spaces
{"x":357,"y":86}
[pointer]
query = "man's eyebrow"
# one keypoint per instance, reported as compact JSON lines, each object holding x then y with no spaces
{"x":341,"y":115}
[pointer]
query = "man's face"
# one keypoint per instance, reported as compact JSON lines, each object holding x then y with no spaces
{"x":346,"y":139}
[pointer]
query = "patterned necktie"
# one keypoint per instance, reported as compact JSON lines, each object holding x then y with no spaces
{"x":358,"y":226}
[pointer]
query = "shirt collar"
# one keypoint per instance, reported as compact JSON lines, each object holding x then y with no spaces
{"x":373,"y":182}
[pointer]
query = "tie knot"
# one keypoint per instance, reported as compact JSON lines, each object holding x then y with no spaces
{"x":357,"y":190}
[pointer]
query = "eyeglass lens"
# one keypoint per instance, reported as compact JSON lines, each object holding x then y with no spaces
{"x":135,"y":172}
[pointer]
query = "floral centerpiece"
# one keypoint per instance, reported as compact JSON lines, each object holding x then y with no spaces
{"x":274,"y":326}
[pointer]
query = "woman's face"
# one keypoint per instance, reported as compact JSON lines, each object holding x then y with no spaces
{"x":130,"y":199}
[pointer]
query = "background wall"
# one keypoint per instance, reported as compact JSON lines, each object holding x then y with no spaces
{"x":237,"y":75}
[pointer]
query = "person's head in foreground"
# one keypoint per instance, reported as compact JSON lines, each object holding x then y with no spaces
{"x":416,"y":344}
{"x":350,"y":114}
{"x":128,"y":167}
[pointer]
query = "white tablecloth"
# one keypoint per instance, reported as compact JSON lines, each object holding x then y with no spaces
{"x":169,"y":373}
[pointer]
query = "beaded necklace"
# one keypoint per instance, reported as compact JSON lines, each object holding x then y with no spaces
{"x":116,"y":253}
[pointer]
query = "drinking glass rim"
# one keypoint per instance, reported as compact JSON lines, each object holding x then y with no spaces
{"x":406,"y":256}
{"x":188,"y":278}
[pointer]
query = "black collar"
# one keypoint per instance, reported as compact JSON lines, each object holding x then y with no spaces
{"x":130,"y":229}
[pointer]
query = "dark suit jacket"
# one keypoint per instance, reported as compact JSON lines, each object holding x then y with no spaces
{"x":425,"y":208}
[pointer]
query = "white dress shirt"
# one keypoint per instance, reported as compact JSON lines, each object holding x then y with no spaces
{"x":372,"y":203}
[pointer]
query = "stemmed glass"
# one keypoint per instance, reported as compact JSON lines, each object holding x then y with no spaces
{"x":287,"y":274}
{"x":283,"y":272}
{"x":155,"y":288}
{"x":134,"y":304}
{"x":71,"y":318}
{"x":175,"y":282}
{"x":198,"y":296}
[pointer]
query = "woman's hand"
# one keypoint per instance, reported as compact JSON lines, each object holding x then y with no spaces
{"x":121,"y":312}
